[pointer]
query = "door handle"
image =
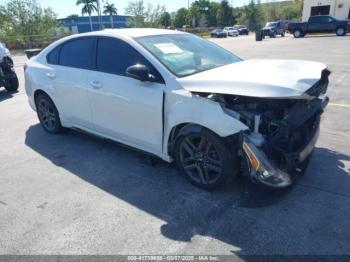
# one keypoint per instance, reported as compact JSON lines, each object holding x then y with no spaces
{"x":96,"y":84}
{"x":51,"y":75}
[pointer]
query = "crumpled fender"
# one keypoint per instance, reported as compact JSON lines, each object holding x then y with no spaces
{"x":181,"y":106}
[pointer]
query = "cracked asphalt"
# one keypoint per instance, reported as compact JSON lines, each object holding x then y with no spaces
{"x":77,"y":194}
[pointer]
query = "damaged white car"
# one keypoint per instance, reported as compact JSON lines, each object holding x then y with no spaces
{"x":183,"y":99}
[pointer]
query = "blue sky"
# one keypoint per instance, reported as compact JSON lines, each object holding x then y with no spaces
{"x":67,"y":7}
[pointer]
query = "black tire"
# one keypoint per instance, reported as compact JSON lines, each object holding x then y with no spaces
{"x":205,"y":159}
{"x":297,"y":33}
{"x":282,"y":34}
{"x":48,"y":114}
{"x":12,"y":84}
{"x":340,"y":31}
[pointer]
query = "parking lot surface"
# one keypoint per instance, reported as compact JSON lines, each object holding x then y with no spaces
{"x":76,"y":194}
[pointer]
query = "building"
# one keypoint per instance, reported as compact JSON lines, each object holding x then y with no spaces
{"x":337,"y":8}
{"x":81,"y":24}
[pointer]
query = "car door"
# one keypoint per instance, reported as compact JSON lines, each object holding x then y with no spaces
{"x":124,"y":108}
{"x":320,"y":24}
{"x":67,"y":76}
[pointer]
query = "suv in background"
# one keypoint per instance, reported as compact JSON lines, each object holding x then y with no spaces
{"x":231,"y":31}
{"x":272,"y":29}
{"x":242,"y":29}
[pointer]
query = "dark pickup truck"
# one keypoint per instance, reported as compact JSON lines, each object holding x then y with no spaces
{"x":320,"y":24}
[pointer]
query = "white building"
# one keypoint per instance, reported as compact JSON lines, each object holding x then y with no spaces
{"x":337,"y":8}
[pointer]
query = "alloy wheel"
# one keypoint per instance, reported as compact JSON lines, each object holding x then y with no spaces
{"x":47,"y":115}
{"x":200,"y":159}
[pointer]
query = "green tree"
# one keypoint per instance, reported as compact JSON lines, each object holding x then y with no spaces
{"x":165,"y":19}
{"x":252,"y":16}
{"x":110,"y":10}
{"x":89,"y":6}
{"x":137,"y":10}
{"x":212,"y":13}
{"x":224,"y":15}
{"x":180,"y":17}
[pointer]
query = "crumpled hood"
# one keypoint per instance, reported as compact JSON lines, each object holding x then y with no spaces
{"x":257,"y":78}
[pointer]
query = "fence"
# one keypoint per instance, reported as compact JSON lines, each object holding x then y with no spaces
{"x":27,"y":42}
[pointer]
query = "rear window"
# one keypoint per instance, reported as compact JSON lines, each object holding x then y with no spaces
{"x":76,"y":53}
{"x":52,"y":57}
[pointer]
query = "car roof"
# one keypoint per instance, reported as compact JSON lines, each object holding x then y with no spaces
{"x":134,"y":32}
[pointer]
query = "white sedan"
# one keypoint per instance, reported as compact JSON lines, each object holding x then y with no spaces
{"x":184,"y":99}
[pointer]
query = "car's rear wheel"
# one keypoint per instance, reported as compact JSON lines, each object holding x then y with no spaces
{"x":205,"y":160}
{"x":340,"y":31}
{"x":297,"y":33}
{"x":48,"y":114}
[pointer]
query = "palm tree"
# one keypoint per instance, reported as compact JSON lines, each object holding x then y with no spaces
{"x":110,"y":9}
{"x":88,"y":8}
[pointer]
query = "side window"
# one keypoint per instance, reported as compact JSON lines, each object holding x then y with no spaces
{"x":52,"y":57}
{"x":77,"y":53}
{"x":115,"y":56}
{"x":314,"y":19}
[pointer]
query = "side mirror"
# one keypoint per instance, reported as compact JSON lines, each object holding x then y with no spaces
{"x":139,"y":72}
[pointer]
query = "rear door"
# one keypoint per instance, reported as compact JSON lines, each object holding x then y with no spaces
{"x":124,"y":108}
{"x":69,"y":66}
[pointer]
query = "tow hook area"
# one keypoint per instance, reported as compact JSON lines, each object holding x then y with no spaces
{"x":261,"y":168}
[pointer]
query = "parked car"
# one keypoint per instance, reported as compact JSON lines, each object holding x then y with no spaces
{"x":8,"y":77}
{"x":320,"y":24}
{"x":183,"y":99}
{"x":242,"y":29}
{"x":218,"y":33}
{"x":272,"y":29}
{"x":231,"y":31}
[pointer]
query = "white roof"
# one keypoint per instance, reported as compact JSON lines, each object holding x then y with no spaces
{"x":136,"y":32}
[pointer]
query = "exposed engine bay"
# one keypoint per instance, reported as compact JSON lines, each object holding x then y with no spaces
{"x":281,"y":131}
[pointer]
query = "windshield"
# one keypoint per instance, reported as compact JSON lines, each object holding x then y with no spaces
{"x":271,"y":24}
{"x":186,"y":54}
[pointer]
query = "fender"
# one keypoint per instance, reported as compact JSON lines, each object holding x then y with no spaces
{"x":182,"y":107}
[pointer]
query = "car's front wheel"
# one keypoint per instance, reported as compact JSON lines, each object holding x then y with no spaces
{"x":205,"y":160}
{"x":48,"y":114}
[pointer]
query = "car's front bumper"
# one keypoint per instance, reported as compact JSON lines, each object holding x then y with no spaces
{"x":264,"y":170}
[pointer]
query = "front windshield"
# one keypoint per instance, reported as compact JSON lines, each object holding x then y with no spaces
{"x":186,"y":54}
{"x":272,"y":24}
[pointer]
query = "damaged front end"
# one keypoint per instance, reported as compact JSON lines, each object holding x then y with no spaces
{"x":282,"y":132}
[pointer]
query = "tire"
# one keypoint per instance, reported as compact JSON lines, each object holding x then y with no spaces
{"x":340,"y":31}
{"x":48,"y":114}
{"x":205,"y":159}
{"x":12,"y":84}
{"x":282,"y":34}
{"x":297,"y":33}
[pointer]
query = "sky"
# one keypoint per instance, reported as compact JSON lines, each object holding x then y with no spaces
{"x":67,"y":7}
